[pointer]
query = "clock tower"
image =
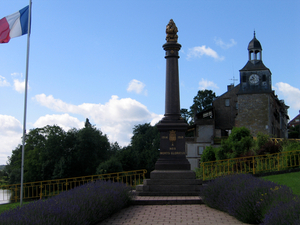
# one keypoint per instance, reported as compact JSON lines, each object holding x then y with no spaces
{"x":258,"y":109}
{"x":255,"y":77}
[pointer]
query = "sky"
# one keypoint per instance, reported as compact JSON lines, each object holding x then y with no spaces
{"x":103,"y":60}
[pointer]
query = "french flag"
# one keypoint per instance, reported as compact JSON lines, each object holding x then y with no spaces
{"x":14,"y":25}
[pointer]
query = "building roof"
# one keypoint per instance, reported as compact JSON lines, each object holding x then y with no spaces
{"x":258,"y":65}
{"x":254,"y":44}
{"x":295,"y":121}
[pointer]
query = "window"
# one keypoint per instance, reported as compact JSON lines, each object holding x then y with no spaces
{"x":264,"y":78}
{"x":227,"y":102}
{"x":244,"y":79}
{"x":200,"y":150}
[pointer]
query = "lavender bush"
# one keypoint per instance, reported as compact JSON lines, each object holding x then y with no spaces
{"x":86,"y":204}
{"x":250,"y":199}
{"x":284,"y":213}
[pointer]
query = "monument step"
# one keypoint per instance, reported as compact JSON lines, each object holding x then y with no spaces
{"x":168,"y":188}
{"x":172,"y":174}
{"x":147,"y":193}
{"x":166,"y":200}
{"x":172,"y":182}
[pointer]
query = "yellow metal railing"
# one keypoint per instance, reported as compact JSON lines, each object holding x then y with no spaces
{"x":250,"y":164}
{"x":40,"y":189}
{"x":278,"y":140}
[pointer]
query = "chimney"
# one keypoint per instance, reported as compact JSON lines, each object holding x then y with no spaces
{"x":229,"y":87}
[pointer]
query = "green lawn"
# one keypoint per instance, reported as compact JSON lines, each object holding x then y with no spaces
{"x":4,"y":207}
{"x":291,"y":180}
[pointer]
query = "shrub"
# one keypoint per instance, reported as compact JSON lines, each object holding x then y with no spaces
{"x":248,"y":198}
{"x":208,"y":154}
{"x":269,"y":148}
{"x":238,"y":143}
{"x":284,"y":213}
{"x":262,"y":139}
{"x":290,"y":146}
{"x":86,"y":204}
{"x":110,"y":166}
{"x":220,"y":153}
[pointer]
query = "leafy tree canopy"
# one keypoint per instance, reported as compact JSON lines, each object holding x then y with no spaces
{"x":52,"y":153}
{"x":202,"y":101}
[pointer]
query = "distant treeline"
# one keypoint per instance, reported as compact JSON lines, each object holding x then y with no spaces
{"x":52,"y":153}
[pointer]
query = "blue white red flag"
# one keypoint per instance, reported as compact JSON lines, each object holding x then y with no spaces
{"x":14,"y":25}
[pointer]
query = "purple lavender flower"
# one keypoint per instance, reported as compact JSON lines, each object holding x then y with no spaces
{"x":86,"y":204}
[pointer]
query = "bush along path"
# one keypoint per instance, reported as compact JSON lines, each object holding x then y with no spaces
{"x":86,"y":204}
{"x":253,"y":200}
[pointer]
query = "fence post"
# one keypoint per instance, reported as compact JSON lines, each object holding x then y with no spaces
{"x":278,"y":161}
{"x":228,"y":166}
{"x":41,"y":191}
{"x":16,"y":193}
{"x":203,"y":177}
{"x":253,"y":161}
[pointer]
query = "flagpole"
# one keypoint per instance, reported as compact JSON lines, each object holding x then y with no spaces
{"x":25,"y":102}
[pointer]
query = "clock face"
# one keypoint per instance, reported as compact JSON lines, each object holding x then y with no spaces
{"x":254,"y":79}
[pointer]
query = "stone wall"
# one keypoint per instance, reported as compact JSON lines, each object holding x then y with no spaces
{"x":225,"y":108}
{"x":253,"y":113}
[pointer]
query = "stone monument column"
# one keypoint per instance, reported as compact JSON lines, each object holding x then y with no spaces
{"x":172,"y":175}
{"x":172,"y":127}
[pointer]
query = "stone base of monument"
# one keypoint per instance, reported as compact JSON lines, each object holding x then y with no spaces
{"x":170,"y":183}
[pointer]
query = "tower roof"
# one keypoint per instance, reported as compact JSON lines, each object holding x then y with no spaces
{"x":254,"y":44}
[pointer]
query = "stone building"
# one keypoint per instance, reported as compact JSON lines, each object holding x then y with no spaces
{"x":294,"y":122}
{"x":252,"y":104}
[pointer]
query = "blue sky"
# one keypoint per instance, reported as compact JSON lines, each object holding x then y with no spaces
{"x":104,"y":60}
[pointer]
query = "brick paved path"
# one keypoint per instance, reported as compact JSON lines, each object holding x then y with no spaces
{"x":171,"y":214}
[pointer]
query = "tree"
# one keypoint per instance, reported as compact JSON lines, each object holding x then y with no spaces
{"x":52,"y":153}
{"x":43,"y":148}
{"x":202,"y":101}
{"x":294,"y":132}
{"x":185,"y":115}
{"x":112,"y":165}
{"x":91,"y":149}
{"x":128,"y":158}
{"x":145,"y":143}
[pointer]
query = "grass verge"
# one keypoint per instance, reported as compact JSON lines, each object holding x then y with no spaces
{"x":291,"y":180}
{"x":5,"y":207}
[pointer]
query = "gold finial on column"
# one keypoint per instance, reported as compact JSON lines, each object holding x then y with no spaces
{"x":171,"y":31}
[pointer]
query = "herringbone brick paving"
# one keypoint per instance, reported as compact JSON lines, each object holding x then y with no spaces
{"x":199,"y":214}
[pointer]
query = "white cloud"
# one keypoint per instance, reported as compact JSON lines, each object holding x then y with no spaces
{"x":10,"y":136}
{"x":116,"y":118}
{"x":290,"y":93}
{"x":205,"y":84}
{"x":19,"y":86}
{"x":4,"y":82}
{"x":203,"y":50}
{"x":224,"y":45}
{"x":17,"y":75}
{"x":136,"y":86}
{"x":65,"y":121}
